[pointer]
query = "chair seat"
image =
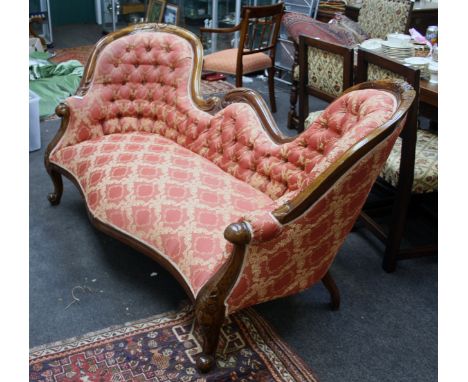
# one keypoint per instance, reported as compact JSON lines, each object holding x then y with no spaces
{"x":425,"y":166}
{"x":163,"y":195}
{"x":225,"y":61}
{"x":311,"y":118}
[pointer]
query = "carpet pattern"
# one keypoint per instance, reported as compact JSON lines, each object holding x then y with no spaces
{"x":163,"y":348}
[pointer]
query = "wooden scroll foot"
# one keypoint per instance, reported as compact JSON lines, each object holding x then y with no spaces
{"x":205,"y":363}
{"x":330,"y":284}
{"x":54,"y":197}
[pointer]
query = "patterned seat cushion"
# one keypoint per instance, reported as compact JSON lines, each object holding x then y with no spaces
{"x":425,"y":166}
{"x":225,"y":61}
{"x":163,"y":195}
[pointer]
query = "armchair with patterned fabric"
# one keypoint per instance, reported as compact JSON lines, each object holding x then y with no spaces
{"x":411,"y":169}
{"x":237,"y":212}
{"x":325,"y":70}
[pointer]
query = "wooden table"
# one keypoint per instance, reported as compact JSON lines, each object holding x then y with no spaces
{"x":424,"y":14}
{"x":429,"y":93}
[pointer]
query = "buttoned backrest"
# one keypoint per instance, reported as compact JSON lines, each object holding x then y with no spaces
{"x":237,"y":144}
{"x":142,"y":83}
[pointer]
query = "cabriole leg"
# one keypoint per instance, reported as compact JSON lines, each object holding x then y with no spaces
{"x":333,"y":290}
{"x":54,"y":197}
{"x":209,"y":317}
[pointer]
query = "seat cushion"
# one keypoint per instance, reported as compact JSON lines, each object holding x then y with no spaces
{"x":163,"y":195}
{"x":311,"y":118}
{"x":225,"y":61}
{"x":425,"y":166}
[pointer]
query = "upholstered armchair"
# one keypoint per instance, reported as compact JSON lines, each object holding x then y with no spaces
{"x":411,"y":169}
{"x":325,"y":70}
{"x":237,"y":212}
{"x":377,"y":18}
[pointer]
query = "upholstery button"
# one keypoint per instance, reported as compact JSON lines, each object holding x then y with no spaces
{"x":116,"y":65}
{"x":136,"y":65}
{"x":148,"y":48}
{"x":127,"y":48}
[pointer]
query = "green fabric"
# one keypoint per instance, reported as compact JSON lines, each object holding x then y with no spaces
{"x":53,"y":82}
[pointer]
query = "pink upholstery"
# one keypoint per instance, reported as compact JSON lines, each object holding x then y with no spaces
{"x":140,"y":84}
{"x":225,"y":61}
{"x":297,"y":255}
{"x":162,"y":194}
{"x":152,"y":165}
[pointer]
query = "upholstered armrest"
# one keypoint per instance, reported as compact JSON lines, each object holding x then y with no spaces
{"x":78,"y":123}
{"x":263,"y":225}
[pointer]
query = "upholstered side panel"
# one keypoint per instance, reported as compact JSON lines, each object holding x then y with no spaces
{"x":141,"y":83}
{"x":305,"y":249}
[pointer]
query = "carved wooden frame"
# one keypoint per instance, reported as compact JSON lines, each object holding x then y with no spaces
{"x":210,"y":309}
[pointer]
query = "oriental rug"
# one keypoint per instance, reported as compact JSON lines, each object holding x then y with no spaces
{"x":163,"y":348}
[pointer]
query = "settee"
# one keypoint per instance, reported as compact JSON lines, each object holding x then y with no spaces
{"x":211,"y":189}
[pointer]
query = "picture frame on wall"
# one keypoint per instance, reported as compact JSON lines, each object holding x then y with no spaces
{"x":155,"y":11}
{"x":171,"y":14}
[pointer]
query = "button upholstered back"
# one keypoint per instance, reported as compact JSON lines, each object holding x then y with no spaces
{"x":236,"y":144}
{"x":142,"y":84}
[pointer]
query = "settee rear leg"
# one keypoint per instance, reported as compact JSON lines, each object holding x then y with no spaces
{"x":330,"y":284}
{"x":54,"y":197}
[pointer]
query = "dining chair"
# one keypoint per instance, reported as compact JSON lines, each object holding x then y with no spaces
{"x":376,"y":18}
{"x":325,"y":70}
{"x":259,"y":29}
{"x":380,"y":17}
{"x":411,"y":169}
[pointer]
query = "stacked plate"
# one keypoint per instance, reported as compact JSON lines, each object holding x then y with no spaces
{"x":398,"y":50}
{"x":421,"y":63}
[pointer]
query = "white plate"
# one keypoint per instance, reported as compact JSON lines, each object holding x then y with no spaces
{"x":393,"y":45}
{"x":372,"y":44}
{"x":417,"y":60}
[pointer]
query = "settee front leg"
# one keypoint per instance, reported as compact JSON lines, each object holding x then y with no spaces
{"x":209,"y":317}
{"x":54,"y":197}
{"x":63,"y":111}
{"x":330,"y":284}
{"x":210,"y":308}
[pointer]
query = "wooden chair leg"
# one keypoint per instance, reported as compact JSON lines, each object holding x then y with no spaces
{"x":54,"y":197}
{"x":271,"y":88}
{"x":397,"y":226}
{"x":403,"y":196}
{"x":330,"y":284}
{"x":239,"y":80}
{"x":292,"y":115}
